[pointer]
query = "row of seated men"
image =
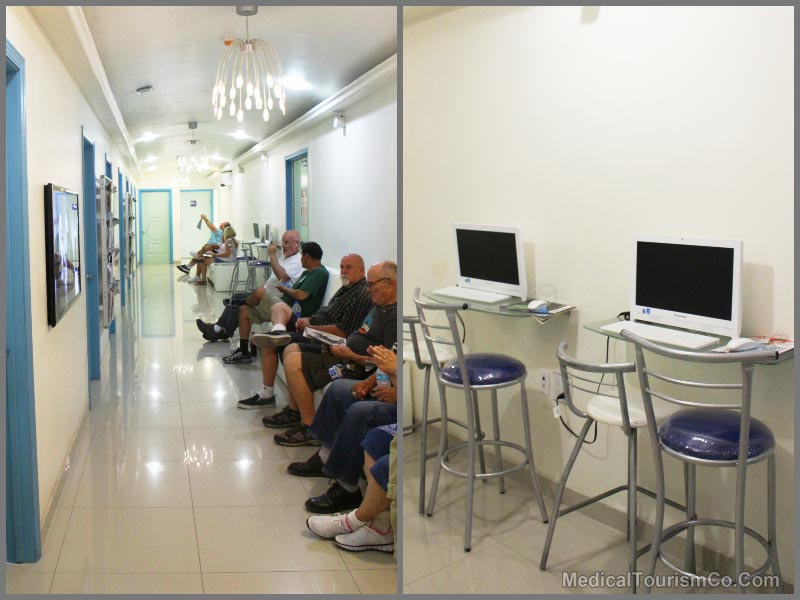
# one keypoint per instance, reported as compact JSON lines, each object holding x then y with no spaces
{"x":356,"y":421}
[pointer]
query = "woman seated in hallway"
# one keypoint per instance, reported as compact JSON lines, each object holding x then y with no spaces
{"x":368,"y":527}
{"x":213,"y":243}
{"x":227,"y":252}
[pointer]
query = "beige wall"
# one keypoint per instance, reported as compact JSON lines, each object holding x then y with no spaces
{"x":584,"y":126}
{"x":55,"y":111}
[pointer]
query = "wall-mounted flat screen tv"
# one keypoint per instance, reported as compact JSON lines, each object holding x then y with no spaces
{"x":62,"y":250}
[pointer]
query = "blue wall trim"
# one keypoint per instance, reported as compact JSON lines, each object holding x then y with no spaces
{"x":290,"y":184}
{"x":139,"y":224}
{"x":23,"y":534}
{"x":90,"y":245}
{"x":122,"y":241}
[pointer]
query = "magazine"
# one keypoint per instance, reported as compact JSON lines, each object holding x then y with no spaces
{"x":326,"y":338}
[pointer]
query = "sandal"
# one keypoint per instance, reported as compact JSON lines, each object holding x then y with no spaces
{"x":296,"y":436}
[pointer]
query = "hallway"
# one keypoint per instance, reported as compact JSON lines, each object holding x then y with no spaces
{"x":173,"y":489}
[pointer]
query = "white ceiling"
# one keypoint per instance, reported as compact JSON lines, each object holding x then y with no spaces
{"x":177,"y":50}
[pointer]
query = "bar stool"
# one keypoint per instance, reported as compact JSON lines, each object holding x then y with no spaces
{"x":708,"y":434}
{"x":607,"y":404}
{"x":235,"y":277}
{"x":420,"y":356}
{"x":483,"y":372}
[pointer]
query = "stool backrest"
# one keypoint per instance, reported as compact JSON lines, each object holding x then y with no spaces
{"x":410,"y":335}
{"x":444,"y":335}
{"x":582,"y":376}
{"x":650,"y":378}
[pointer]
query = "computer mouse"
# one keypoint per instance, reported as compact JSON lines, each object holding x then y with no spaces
{"x":537,"y":304}
{"x":741,"y":344}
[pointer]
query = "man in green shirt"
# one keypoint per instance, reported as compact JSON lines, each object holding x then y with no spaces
{"x":307,"y":291}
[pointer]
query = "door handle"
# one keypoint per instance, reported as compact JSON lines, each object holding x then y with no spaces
{"x":89,"y":277}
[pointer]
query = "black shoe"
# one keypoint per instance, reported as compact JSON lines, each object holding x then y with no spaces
{"x":336,"y":499}
{"x":237,"y":358}
{"x":207,"y":329}
{"x":283,"y":418}
{"x":183,"y":269}
{"x":296,"y":436}
{"x":310,"y":468}
{"x":257,"y":402}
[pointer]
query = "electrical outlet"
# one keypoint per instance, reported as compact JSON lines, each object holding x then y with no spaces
{"x":543,"y":381}
{"x":556,"y":385}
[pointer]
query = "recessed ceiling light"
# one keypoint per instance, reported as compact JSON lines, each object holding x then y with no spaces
{"x":147,"y":136}
{"x":150,"y":158}
{"x":217,"y":157}
{"x":295,"y":82}
{"x":240,"y":135}
{"x":144,"y":89}
{"x":153,"y":168}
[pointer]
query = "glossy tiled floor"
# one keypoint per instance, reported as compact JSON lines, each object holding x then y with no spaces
{"x":172,"y":489}
{"x":507,"y":540}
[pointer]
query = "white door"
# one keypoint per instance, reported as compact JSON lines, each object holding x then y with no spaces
{"x":156,"y":235}
{"x":193,"y":204}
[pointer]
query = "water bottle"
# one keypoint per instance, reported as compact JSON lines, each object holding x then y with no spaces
{"x":382,"y":379}
{"x":296,"y":309}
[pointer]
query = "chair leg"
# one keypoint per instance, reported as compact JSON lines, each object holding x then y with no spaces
{"x":771,"y":528}
{"x":498,"y":449}
{"x":689,"y":478}
{"x":658,"y":524}
{"x":551,"y":527}
{"x":478,"y":431}
{"x":442,"y":449}
{"x":423,"y":458}
{"x":741,"y":478}
{"x":632,"y":504}
{"x":470,"y":468}
{"x":526,"y":422}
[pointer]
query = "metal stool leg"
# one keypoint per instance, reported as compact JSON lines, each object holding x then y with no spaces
{"x":499,"y":455}
{"x":478,"y":431}
{"x":471,"y":413}
{"x":423,"y":457}
{"x":442,"y":449}
{"x":773,"y":540}
{"x":529,"y":449}
{"x":689,"y":476}
{"x":632,"y":504}
{"x":658,"y":525}
{"x":741,"y":478}
{"x":551,"y":527}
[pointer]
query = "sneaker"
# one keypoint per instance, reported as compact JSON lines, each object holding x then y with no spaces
{"x":256,"y":402}
{"x":329,"y":526}
{"x":193,"y":279}
{"x":368,"y":537}
{"x":336,"y":499}
{"x":183,"y":269}
{"x":286,"y":417}
{"x":237,"y":358}
{"x":273,"y":338}
{"x":296,"y":436}
{"x":205,"y":328}
{"x":310,"y":468}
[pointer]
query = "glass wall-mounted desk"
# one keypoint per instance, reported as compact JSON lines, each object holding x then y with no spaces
{"x":505,"y":309}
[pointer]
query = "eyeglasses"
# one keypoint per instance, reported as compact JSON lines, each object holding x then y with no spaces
{"x":372,"y":283}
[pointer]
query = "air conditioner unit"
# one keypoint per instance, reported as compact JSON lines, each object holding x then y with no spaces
{"x":226,"y":178}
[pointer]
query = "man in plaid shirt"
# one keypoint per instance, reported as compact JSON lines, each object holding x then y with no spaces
{"x":343,"y":315}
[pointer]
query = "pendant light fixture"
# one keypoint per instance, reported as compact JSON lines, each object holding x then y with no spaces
{"x":195,"y":155}
{"x":249,"y":76}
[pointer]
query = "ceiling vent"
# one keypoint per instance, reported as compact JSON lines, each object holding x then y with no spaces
{"x":226,"y":178}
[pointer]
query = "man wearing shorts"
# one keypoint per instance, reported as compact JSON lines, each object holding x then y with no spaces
{"x":307,"y":372}
{"x":260,"y":306}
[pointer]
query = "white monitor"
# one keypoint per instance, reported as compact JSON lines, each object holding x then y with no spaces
{"x":266,"y":237}
{"x":491,"y":258}
{"x":690,"y":283}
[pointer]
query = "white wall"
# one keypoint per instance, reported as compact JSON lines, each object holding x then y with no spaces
{"x":352,"y":183}
{"x":585,"y":126}
{"x":55,"y":112}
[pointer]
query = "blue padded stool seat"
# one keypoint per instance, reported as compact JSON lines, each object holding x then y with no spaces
{"x":713,"y":434}
{"x":485,"y":369}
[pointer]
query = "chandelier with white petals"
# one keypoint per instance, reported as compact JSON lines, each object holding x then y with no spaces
{"x":195,"y":155}
{"x":249,"y":76}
